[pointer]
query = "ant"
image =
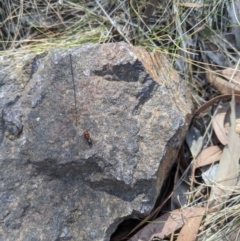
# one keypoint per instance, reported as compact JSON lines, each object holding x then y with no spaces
{"x":87,"y":137}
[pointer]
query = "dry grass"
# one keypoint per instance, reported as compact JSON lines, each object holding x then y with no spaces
{"x":174,"y":27}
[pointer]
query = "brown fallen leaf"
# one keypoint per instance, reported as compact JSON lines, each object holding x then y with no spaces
{"x":190,"y":229}
{"x":232,"y":74}
{"x":207,"y":156}
{"x":223,"y":117}
{"x":222,"y":85}
{"x":167,"y":223}
{"x":218,"y":123}
{"x":227,"y":173}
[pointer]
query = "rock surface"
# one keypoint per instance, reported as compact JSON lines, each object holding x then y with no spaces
{"x":54,"y":184}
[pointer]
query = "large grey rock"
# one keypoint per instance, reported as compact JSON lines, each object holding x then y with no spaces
{"x":54,"y":184}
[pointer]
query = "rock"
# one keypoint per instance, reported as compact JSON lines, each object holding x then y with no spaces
{"x":58,"y":183}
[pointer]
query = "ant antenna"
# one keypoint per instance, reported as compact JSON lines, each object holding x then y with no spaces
{"x":74,"y":89}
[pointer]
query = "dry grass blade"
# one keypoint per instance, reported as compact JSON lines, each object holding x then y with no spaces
{"x":194,"y":5}
{"x":227,"y":174}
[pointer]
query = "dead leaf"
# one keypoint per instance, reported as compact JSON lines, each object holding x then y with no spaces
{"x":167,"y":224}
{"x":190,"y":229}
{"x":222,"y":85}
{"x":206,"y":157}
{"x":222,"y":117}
{"x":218,"y":123}
{"x":227,"y":174}
{"x":232,"y":74}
